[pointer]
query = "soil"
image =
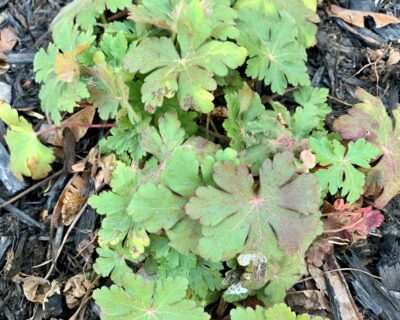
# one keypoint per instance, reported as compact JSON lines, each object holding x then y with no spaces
{"x":340,"y":61}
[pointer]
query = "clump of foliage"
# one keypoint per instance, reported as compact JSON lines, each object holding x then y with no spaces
{"x":208,"y":205}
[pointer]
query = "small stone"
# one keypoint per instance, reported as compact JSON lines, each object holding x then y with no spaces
{"x":5,"y":92}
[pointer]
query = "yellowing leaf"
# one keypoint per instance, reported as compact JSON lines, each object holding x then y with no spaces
{"x":66,"y":67}
{"x":28,"y":156}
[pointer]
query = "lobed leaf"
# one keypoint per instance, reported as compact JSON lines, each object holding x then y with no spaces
{"x":342,"y":172}
{"x":369,"y":120}
{"x":138,"y":298}
{"x":275,"y":56}
{"x":190,"y":72}
{"x":236,"y":218}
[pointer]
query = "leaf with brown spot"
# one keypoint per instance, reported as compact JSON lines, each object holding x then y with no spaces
{"x":369,"y":120}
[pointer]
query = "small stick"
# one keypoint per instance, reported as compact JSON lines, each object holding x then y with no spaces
{"x":21,"y":215}
{"x":71,"y":227}
{"x":339,"y":269}
{"x":30,"y":189}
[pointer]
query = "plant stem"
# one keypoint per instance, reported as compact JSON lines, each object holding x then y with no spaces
{"x":76,"y":125}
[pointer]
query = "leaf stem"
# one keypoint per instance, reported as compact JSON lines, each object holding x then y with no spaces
{"x":76,"y":125}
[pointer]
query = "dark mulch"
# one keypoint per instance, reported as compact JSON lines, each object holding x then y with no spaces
{"x":333,"y":63}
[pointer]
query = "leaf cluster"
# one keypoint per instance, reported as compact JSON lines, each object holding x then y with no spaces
{"x":201,"y":205}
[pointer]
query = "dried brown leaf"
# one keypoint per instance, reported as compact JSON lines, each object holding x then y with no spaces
{"x":82,"y":119}
{"x":8,"y":39}
{"x":38,"y":290}
{"x":75,"y":289}
{"x":357,"y":18}
{"x":70,"y":201}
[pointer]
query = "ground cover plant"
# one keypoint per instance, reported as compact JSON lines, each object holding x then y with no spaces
{"x":216,"y":190}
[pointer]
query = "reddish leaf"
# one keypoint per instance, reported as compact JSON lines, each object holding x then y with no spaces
{"x":369,"y":120}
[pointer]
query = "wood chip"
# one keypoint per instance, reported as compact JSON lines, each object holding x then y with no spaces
{"x":357,"y":18}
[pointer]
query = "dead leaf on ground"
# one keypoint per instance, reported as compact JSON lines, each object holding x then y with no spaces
{"x":78,"y":167}
{"x":70,"y":201}
{"x":8,"y":39}
{"x":80,"y":121}
{"x":75,"y":288}
{"x":37,"y":289}
{"x":357,"y":18}
{"x":4,"y":65}
{"x":102,"y":167}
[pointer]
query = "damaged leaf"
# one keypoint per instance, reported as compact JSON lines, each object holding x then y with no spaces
{"x":370,"y":121}
{"x":190,"y":72}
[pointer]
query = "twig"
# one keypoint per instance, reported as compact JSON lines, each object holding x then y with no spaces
{"x":275,"y":96}
{"x":214,"y":134}
{"x":340,"y":269}
{"x":340,"y":101}
{"x":30,"y":189}
{"x":72,"y":225}
{"x":20,"y":214}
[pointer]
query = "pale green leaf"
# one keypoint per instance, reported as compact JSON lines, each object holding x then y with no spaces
{"x":138,"y":298}
{"x":28,"y":156}
{"x":275,"y":55}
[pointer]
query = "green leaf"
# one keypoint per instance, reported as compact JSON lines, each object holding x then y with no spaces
{"x":275,"y":55}
{"x":277,"y":312}
{"x":60,"y":93}
{"x":113,"y":204}
{"x":189,"y":73}
{"x":164,"y":14}
{"x":125,"y":138}
{"x":111,"y":262}
{"x":156,"y":207}
{"x":311,"y":113}
{"x":204,"y":277}
{"x":243,"y":107}
{"x":28,"y":156}
{"x":115,"y":47}
{"x":108,"y":91}
{"x":301,"y":14}
{"x":342,"y":173}
{"x":138,"y":298}
{"x":237,"y":219}
{"x":86,"y":12}
{"x":370,"y":120}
